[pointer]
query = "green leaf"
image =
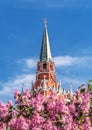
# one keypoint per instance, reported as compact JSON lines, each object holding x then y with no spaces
{"x":7,"y":128}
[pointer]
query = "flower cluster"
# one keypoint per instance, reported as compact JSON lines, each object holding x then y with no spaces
{"x":41,"y":113}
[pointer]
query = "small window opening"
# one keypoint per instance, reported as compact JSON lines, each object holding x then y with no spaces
{"x":44,"y":66}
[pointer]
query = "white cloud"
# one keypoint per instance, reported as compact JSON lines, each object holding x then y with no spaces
{"x":68,"y":82}
{"x":31,"y":63}
{"x":71,"y":81}
{"x":64,"y":60}
{"x":27,"y":65}
{"x":23,"y":79}
{"x":59,"y":61}
{"x":16,"y":83}
{"x":71,"y":61}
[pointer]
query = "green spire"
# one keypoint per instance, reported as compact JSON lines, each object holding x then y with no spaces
{"x":45,"y":54}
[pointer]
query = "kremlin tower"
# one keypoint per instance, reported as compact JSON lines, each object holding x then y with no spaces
{"x":45,"y":75}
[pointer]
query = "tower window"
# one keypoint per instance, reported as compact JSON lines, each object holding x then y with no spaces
{"x":44,"y":66}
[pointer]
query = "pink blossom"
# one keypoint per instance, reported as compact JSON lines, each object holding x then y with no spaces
{"x":39,"y":112}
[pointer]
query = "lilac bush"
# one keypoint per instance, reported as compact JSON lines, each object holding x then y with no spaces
{"x":46,"y":113}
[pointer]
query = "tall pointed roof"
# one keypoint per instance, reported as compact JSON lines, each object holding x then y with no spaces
{"x":45,"y":54}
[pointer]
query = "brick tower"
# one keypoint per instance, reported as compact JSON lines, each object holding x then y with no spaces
{"x":45,"y":75}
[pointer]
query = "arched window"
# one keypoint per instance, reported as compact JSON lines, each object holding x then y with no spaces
{"x":44,"y":66}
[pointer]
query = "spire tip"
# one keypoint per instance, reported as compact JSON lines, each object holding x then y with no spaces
{"x":45,"y":21}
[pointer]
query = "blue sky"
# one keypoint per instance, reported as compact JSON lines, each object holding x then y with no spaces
{"x":21,"y":27}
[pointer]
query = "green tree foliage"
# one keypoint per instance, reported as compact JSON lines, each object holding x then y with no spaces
{"x":90,"y":86}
